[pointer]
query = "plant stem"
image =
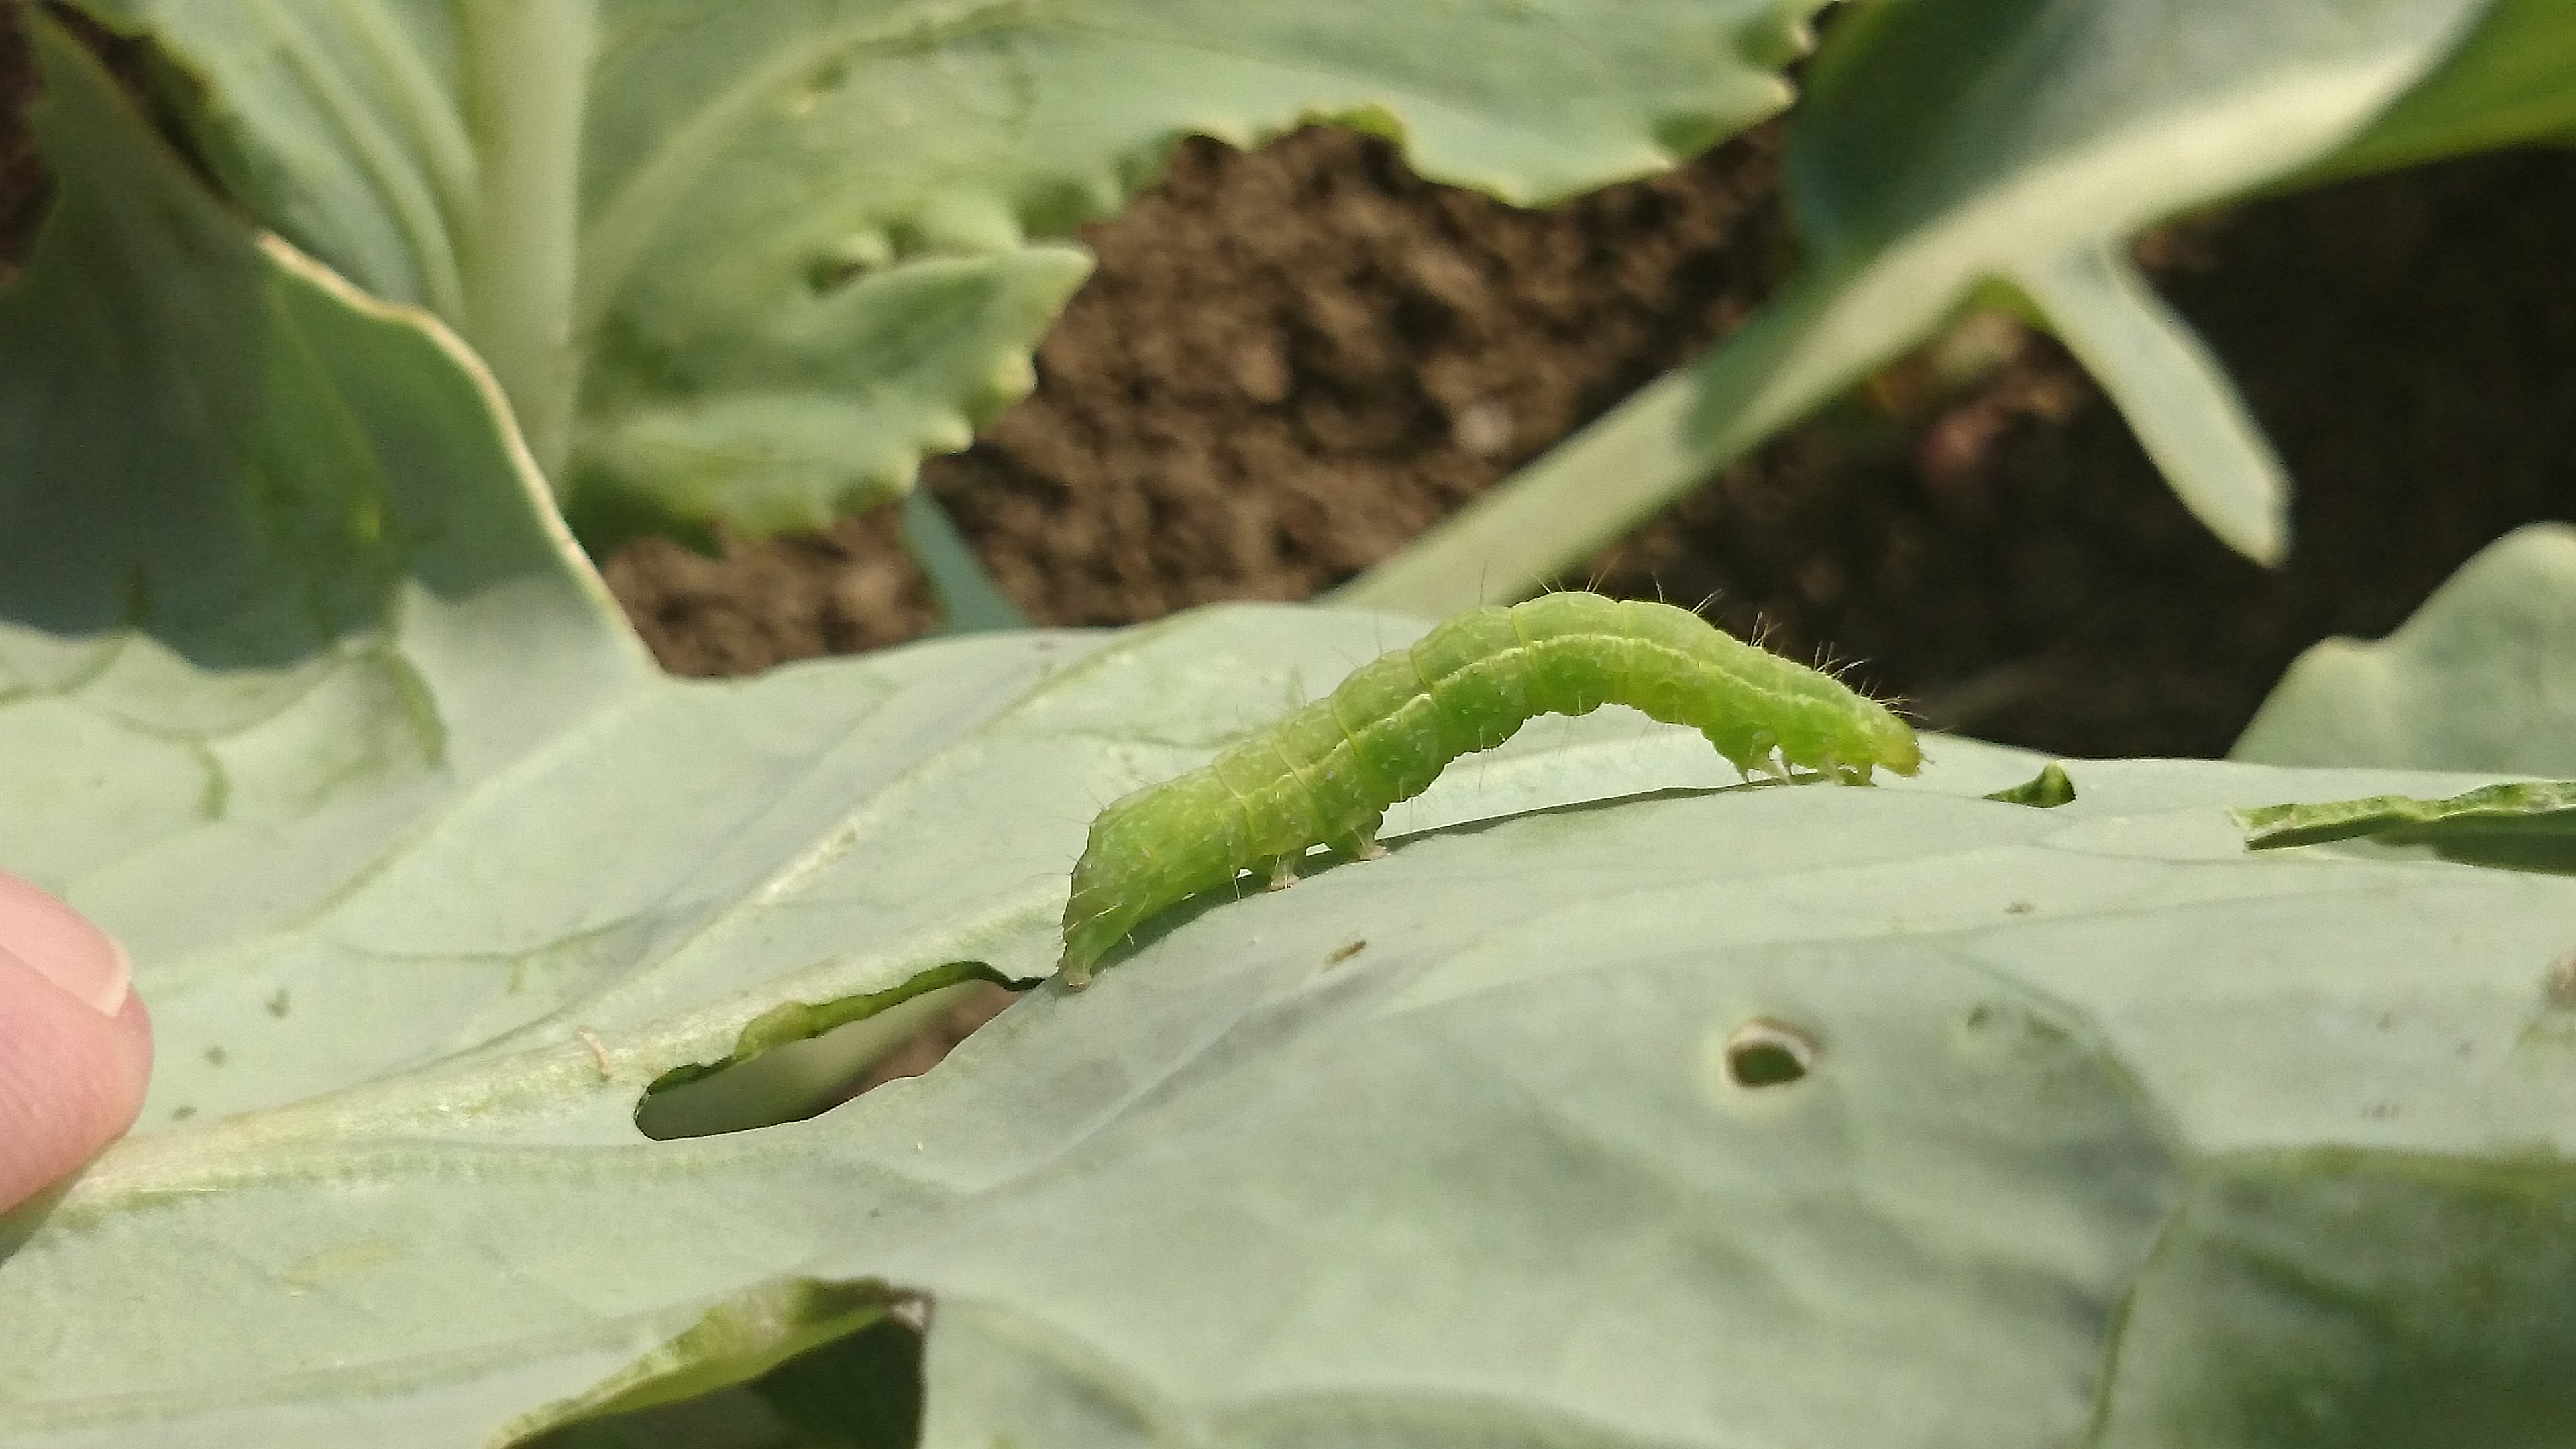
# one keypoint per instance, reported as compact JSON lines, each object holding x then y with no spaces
{"x":969,"y":601}
{"x":527,"y":77}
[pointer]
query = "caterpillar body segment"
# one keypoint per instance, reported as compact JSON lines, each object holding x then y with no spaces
{"x":1326,"y":773}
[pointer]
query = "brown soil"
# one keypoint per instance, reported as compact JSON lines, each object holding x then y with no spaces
{"x":1292,"y":360}
{"x":1288,"y":364}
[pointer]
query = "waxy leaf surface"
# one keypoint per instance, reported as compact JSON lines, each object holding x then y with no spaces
{"x":2098,"y":1130}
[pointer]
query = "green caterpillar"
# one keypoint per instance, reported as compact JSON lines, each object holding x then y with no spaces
{"x":1325,"y":774}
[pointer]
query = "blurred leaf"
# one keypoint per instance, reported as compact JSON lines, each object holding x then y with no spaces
{"x":969,"y":601}
{"x":2007,"y":146}
{"x":2482,"y":678}
{"x":2512,"y":80}
{"x":2227,"y":1343}
{"x":2176,"y":397}
{"x":747,"y":263}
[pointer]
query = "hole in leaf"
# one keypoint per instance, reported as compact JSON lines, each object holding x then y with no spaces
{"x":796,"y":1060}
{"x":1768,"y":1054}
{"x":852,"y":1390}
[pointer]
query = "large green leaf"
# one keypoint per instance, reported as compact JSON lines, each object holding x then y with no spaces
{"x":1485,"y":1176}
{"x":2483,"y":677}
{"x":2004,"y":146}
{"x":1621,"y":1105}
{"x":747,"y":262}
{"x":272,"y":579}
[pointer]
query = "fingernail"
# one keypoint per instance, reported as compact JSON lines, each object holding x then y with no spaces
{"x":57,"y":943}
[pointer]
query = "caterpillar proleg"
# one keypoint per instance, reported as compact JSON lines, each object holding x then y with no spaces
{"x":1326,"y":773}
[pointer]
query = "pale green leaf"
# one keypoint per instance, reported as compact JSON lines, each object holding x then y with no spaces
{"x":1485,"y":1177}
{"x":748,"y":262}
{"x":1947,"y":148}
{"x":2483,"y":677}
{"x":272,"y":578}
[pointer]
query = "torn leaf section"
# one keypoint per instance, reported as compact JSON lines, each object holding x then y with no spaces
{"x":859,"y":1328}
{"x":2046,"y":790}
{"x":796,"y":1060}
{"x":2526,"y":826}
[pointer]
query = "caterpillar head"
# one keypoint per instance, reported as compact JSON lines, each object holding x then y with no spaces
{"x":1885,"y":742}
